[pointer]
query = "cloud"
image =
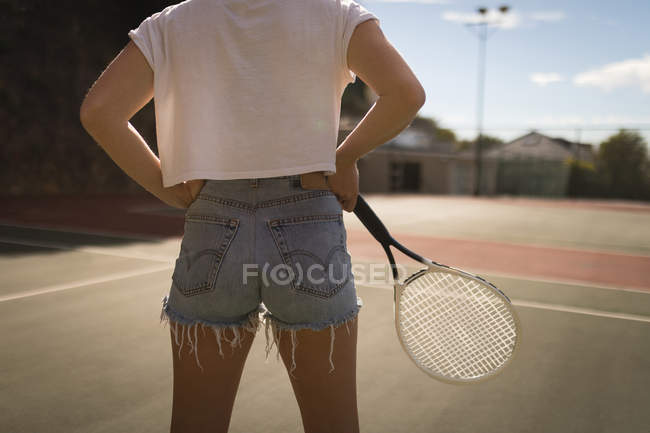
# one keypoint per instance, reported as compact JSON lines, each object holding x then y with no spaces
{"x":627,"y":73}
{"x":547,"y":16}
{"x":432,"y":2}
{"x":544,"y":78}
{"x":509,"y":20}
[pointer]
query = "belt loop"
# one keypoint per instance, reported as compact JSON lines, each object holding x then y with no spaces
{"x":253,"y":183}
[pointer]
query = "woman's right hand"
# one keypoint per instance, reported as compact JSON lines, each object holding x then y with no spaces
{"x":345,"y":185}
{"x":192,"y":188}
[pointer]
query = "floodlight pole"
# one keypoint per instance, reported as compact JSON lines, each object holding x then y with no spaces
{"x":482,"y":33}
{"x":482,"y":38}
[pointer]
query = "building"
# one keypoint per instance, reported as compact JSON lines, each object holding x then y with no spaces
{"x":416,"y":162}
{"x":538,"y":146}
{"x":535,"y":164}
{"x":390,"y":170}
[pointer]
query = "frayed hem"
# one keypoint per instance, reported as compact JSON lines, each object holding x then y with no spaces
{"x":250,"y":323}
{"x":277,"y":325}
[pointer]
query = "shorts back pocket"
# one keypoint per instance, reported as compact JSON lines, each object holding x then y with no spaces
{"x":313,"y":252}
{"x":205,"y":242}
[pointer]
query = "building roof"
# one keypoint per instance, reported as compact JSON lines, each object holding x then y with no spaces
{"x":538,"y":146}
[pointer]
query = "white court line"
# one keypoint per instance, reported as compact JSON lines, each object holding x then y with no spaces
{"x":482,"y":272}
{"x":94,"y":250}
{"x":153,"y":269}
{"x":164,"y":259}
{"x":580,"y":310}
{"x":86,"y":282}
{"x":170,"y":264}
{"x":567,"y":282}
{"x":554,"y":307}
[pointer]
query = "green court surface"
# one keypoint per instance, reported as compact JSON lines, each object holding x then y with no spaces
{"x":83,"y":349}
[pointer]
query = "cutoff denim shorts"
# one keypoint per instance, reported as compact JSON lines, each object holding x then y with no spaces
{"x":261,"y":250}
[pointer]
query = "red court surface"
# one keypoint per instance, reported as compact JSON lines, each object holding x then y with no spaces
{"x":609,"y":269}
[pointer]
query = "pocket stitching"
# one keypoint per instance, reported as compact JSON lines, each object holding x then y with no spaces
{"x":231,"y":225}
{"x":305,"y":218}
{"x":274,"y":227}
{"x":331,"y":290}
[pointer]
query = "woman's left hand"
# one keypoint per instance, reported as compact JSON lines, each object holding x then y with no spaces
{"x":183,"y":194}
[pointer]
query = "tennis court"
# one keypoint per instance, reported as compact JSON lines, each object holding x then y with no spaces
{"x":83,"y":351}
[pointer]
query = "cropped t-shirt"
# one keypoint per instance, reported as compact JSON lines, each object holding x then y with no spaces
{"x":248,"y":88}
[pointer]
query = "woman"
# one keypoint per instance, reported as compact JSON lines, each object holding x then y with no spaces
{"x":247,"y":96}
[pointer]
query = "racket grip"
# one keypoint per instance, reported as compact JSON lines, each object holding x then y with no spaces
{"x":372,"y":222}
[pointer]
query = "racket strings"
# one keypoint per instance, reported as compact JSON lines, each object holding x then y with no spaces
{"x":455,"y":326}
{"x":450,"y":357}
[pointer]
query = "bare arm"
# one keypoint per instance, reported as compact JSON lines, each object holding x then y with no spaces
{"x":400,"y":95}
{"x":374,"y":59}
{"x":121,"y":91}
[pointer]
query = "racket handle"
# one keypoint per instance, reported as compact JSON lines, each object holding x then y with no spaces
{"x":372,"y":222}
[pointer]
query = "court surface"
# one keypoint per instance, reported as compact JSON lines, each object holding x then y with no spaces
{"x":83,"y":349}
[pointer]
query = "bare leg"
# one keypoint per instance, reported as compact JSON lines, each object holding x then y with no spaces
{"x":203,"y":399}
{"x":327,"y":401}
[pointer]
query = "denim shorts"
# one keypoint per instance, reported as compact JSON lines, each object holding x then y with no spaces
{"x":261,"y":250}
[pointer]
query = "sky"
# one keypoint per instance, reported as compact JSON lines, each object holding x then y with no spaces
{"x":576,"y":69}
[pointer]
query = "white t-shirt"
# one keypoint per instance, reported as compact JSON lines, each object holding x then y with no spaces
{"x":248,"y":88}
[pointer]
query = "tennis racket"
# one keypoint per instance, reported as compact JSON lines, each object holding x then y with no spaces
{"x":455,"y":326}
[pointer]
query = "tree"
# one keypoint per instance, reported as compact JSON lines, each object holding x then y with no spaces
{"x":623,"y":165}
{"x":487,"y":142}
{"x":432,"y":127}
{"x":584,"y":180}
{"x":356,"y":100}
{"x":444,"y":134}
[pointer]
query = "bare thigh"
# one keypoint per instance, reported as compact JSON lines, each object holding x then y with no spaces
{"x":203,"y":399}
{"x":327,"y":401}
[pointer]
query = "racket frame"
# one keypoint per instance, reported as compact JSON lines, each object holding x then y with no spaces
{"x":436,"y":267}
{"x":377,"y":229}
